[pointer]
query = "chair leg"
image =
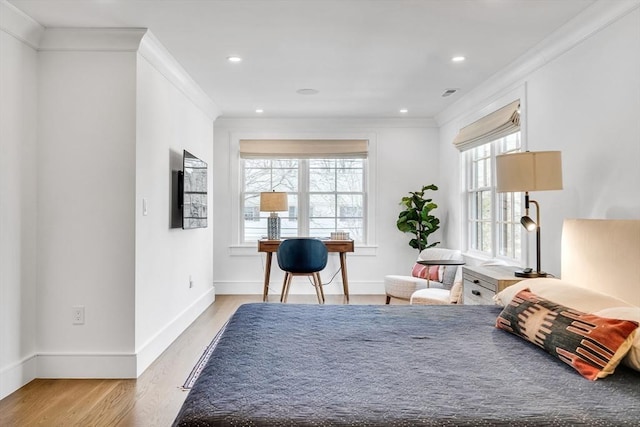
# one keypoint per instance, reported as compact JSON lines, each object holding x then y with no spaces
{"x":285,"y":287}
{"x":317,"y":286}
{"x":319,"y":281}
{"x":388,"y":299}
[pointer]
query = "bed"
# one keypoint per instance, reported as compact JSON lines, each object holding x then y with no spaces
{"x":307,"y":365}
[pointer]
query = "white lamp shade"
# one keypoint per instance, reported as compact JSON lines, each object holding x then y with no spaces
{"x":273,"y":201}
{"x":529,"y":171}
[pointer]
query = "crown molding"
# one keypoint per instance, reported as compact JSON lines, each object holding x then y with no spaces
{"x":593,"y":19}
{"x":19,"y":25}
{"x":92,"y":39}
{"x":159,"y":57}
{"x":337,"y":123}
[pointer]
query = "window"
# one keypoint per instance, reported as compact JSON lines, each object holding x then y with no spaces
{"x":324,"y":195}
{"x":493,"y":219}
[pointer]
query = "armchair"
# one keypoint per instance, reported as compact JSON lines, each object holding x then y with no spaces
{"x":428,"y":285}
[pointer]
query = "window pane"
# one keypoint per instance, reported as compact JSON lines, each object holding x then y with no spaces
{"x":354,"y":226}
{"x":321,"y":227}
{"x":322,"y":180}
{"x":493,"y":218}
{"x":486,"y":237}
{"x":322,"y":205}
{"x":289,"y":220}
{"x":485,"y":203}
{"x":285,"y":180}
{"x":254,"y":226}
{"x":285,"y":163}
{"x":257,"y":179}
{"x":332,"y":200}
{"x":349,"y":180}
{"x":350,"y":206}
{"x":257,"y":163}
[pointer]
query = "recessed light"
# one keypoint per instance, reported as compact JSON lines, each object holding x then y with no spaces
{"x":458,"y":58}
{"x":404,"y":110}
{"x":306,"y":91}
{"x":234,"y":58}
{"x":259,"y":110}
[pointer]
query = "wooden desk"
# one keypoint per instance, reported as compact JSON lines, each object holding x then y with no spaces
{"x":340,"y":246}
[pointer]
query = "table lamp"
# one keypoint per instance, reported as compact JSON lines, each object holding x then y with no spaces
{"x":274,"y":202}
{"x":529,"y":171}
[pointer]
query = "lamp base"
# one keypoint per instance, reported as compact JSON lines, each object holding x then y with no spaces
{"x":273,"y":227}
{"x":530,"y":274}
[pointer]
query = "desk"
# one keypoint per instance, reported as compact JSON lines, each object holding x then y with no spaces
{"x":340,"y":246}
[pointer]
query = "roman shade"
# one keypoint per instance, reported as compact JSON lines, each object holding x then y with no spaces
{"x":498,"y":124}
{"x":303,"y":148}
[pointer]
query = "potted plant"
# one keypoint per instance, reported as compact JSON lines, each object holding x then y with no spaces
{"x":417,"y":219}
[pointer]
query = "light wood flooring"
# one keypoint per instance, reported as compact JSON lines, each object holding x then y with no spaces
{"x":153,"y":399}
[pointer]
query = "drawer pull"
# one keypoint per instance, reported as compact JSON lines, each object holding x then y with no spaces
{"x":476,"y":281}
{"x":475,"y":292}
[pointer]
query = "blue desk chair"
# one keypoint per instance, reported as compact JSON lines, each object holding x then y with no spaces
{"x":302,"y":257}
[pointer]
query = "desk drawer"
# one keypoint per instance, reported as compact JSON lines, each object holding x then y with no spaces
{"x":475,"y":293}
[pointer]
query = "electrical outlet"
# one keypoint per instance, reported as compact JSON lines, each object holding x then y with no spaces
{"x":77,"y":313}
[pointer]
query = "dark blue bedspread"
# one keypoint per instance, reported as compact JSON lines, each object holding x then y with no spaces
{"x":308,"y":365}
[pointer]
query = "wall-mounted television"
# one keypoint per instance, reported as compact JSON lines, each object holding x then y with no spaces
{"x":192,"y":191}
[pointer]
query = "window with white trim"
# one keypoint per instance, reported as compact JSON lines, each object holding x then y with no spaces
{"x":324,"y":195}
{"x":493,"y":219}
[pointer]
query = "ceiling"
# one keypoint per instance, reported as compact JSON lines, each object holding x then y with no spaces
{"x":366,"y":58}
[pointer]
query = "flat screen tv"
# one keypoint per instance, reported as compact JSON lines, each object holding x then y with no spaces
{"x":194,"y":191}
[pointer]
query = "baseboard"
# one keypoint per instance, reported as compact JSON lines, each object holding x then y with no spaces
{"x":67,"y":365}
{"x":17,"y":375}
{"x":154,"y":347}
{"x":299,"y":286}
{"x":116,"y":365}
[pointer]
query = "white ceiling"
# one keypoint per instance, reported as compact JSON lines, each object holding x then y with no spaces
{"x":367,"y":58}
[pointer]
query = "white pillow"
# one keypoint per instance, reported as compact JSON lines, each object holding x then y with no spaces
{"x":632,"y":359}
{"x":561,"y":292}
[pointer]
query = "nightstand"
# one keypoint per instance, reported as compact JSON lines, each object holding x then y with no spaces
{"x":481,"y":283}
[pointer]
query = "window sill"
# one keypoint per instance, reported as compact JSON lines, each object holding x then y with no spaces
{"x":475,"y":258}
{"x":252,"y":250}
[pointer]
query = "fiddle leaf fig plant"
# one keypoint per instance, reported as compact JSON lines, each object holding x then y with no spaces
{"x":417,"y":218}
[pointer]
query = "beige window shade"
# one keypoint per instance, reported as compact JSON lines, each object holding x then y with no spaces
{"x":303,"y":148}
{"x":498,"y":124}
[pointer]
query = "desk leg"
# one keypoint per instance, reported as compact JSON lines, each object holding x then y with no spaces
{"x":343,"y":267}
{"x":267,"y":275}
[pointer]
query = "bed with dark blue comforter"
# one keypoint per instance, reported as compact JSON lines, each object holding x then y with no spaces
{"x":307,"y":365}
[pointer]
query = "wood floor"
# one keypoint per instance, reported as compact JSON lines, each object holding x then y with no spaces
{"x":154,"y":399}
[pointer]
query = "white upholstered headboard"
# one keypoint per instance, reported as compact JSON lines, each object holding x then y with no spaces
{"x":603,"y":255}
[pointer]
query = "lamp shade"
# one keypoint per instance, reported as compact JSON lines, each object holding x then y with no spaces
{"x":273,"y":201}
{"x":529,"y":171}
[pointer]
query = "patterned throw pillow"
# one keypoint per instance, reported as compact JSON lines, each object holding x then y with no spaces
{"x":591,"y":344}
{"x":424,"y":272}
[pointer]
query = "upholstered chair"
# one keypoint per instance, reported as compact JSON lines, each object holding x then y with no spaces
{"x":428,"y":284}
{"x":302,"y":257}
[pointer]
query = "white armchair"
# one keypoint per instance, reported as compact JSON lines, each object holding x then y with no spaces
{"x":444,"y":285}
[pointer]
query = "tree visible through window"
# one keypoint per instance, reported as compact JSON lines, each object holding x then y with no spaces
{"x":493,"y":218}
{"x":324,"y":195}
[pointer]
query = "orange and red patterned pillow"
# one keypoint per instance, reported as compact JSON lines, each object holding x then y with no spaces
{"x":426,"y":272}
{"x":591,"y":344}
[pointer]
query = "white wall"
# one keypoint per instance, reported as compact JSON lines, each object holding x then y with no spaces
{"x":86,"y":212}
{"x":91,"y":122}
{"x":168,"y":122}
{"x":583,"y":100}
{"x":18,"y":174}
{"x":402,"y":159}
